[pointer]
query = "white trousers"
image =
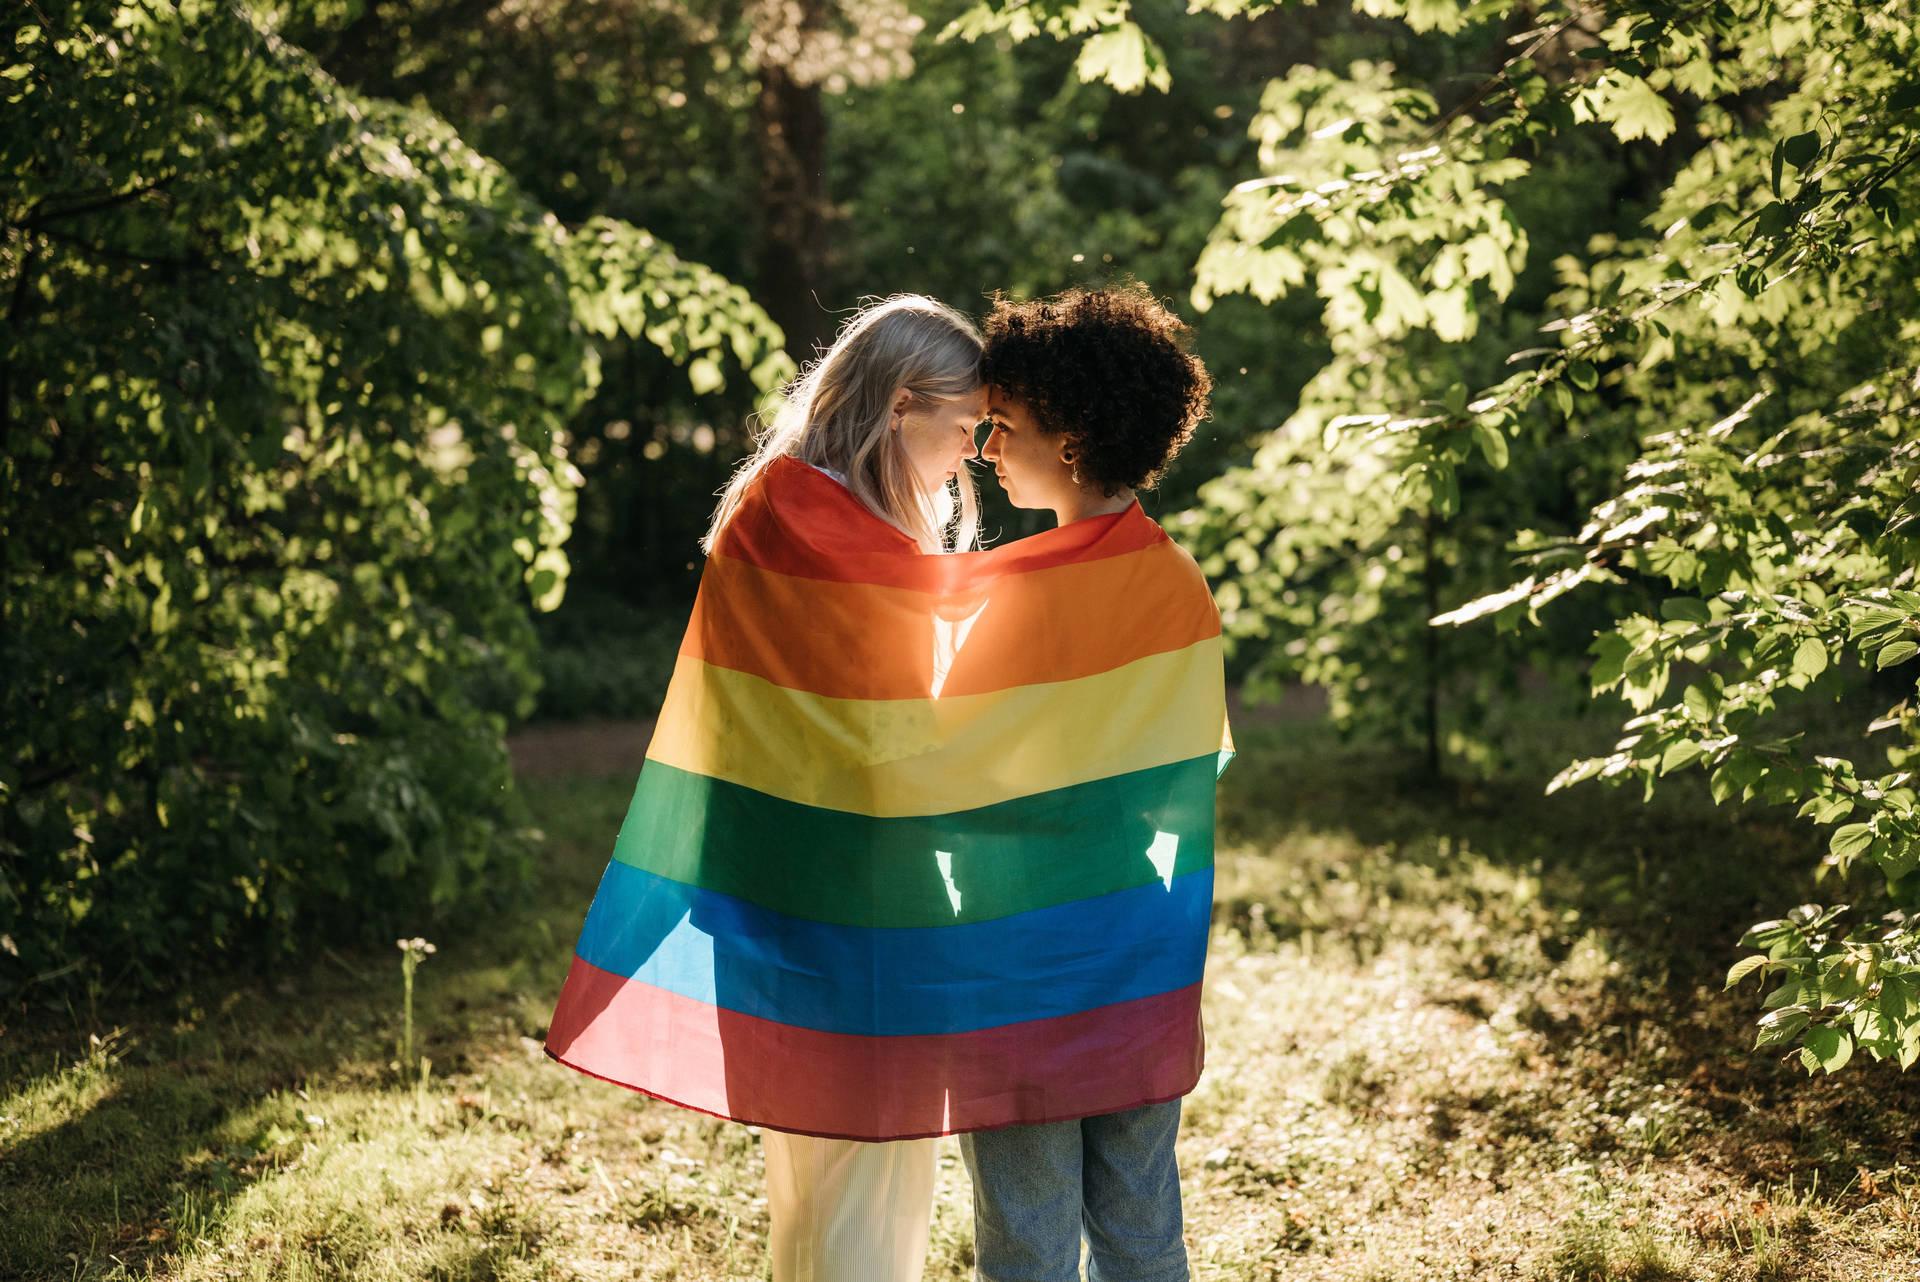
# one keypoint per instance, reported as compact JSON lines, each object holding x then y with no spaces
{"x":847,"y":1211}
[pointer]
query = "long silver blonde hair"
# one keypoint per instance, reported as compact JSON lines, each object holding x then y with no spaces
{"x":838,"y":413}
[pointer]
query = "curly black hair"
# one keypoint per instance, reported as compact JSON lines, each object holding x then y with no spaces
{"x":1108,"y":369}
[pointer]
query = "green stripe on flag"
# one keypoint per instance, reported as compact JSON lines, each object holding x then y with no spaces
{"x":937,"y":870}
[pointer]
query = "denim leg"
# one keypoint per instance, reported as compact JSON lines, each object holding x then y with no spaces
{"x":1132,"y":1193}
{"x":1026,"y":1202}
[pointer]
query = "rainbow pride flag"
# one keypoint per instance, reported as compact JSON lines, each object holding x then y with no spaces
{"x":922,"y":844}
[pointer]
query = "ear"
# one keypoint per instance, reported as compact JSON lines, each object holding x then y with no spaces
{"x":902,"y":399}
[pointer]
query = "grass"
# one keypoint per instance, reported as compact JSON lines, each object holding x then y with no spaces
{"x":1454,"y":1033}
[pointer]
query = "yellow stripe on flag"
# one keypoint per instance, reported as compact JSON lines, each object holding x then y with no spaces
{"x":896,"y":757}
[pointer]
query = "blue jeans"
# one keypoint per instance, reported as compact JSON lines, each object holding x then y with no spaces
{"x":1037,"y":1189}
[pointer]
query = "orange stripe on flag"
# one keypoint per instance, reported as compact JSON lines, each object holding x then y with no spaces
{"x":867,"y":641}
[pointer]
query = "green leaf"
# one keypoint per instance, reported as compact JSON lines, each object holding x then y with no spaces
{"x":1839,"y":985}
{"x":1584,"y":376}
{"x":1611,"y":652}
{"x":1810,"y":658}
{"x":1745,"y":769}
{"x":1646,"y":680}
{"x":1452,"y":314}
{"x":1801,"y":149}
{"x":1493,"y":444}
{"x":1830,"y":1047}
{"x":1874,"y":619}
{"x":1634,"y":108}
{"x":1782,"y":1025}
{"x":1768,"y":933}
{"x":1680,"y":755}
{"x":1691,"y":609}
{"x":1578,"y":772}
{"x":1896,"y":652}
{"x":1445,"y":481}
{"x":1850,"y":841}
{"x":1792,"y":994}
{"x":1826,"y":810}
{"x":1897,"y":859}
{"x":1774,"y":219}
{"x":1680,"y":565}
{"x":1900,"y":997}
{"x":1873,"y":1032}
{"x":1698,"y":702}
{"x":1125,"y":58}
{"x":1885,"y":205}
{"x":1744,"y":967}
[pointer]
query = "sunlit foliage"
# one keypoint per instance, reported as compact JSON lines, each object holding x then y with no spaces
{"x":284,"y":372}
{"x":1733,"y":374}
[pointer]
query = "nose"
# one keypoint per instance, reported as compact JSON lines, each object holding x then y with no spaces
{"x":990,"y":448}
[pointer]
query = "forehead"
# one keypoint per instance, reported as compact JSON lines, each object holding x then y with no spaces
{"x":973,"y":404}
{"x":1001,"y":405}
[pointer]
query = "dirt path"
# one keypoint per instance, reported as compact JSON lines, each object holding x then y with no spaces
{"x":596,"y":749}
{"x":580,"y":750}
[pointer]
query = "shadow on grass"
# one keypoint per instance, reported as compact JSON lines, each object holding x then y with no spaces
{"x":127,"y":1131}
{"x":1661,"y":889}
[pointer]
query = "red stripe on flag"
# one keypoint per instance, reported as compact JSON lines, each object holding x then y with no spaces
{"x":876,"y":1088}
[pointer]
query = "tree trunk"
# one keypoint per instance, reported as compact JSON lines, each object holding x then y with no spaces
{"x":790,"y":130}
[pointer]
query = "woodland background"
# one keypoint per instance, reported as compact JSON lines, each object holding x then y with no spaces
{"x":368,"y":369}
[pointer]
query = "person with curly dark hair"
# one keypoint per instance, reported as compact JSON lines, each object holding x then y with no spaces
{"x":1091,"y":394}
{"x":1094,"y":392}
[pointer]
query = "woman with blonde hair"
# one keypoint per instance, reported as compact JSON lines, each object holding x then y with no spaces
{"x":889,"y":411}
{"x":884,"y":418}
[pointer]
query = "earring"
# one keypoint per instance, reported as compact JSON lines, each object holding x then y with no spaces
{"x":1074,"y":463}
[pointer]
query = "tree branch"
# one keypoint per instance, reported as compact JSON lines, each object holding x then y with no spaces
{"x":125,"y":256}
{"x":1498,"y":78}
{"x":37,"y":218}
